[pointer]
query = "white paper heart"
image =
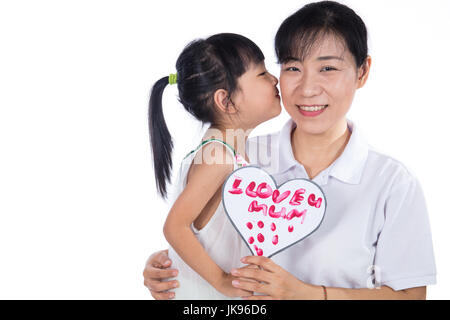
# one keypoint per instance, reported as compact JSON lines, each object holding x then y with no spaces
{"x":271,"y":218}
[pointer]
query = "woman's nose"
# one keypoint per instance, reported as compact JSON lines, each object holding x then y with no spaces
{"x":308,"y":86}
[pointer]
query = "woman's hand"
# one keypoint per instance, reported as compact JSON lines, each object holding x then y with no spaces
{"x":225,"y":287}
{"x":272,"y":281}
{"x":156,"y":271}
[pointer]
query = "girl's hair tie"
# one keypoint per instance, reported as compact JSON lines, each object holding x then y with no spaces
{"x":172,"y":78}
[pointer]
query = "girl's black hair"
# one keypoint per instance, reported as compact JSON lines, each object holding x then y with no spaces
{"x":299,"y":32}
{"x":204,"y":66}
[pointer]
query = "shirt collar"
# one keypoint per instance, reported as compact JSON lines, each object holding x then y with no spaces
{"x":347,"y":168}
{"x":286,"y":158}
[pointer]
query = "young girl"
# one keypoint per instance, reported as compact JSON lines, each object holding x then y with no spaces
{"x":222,"y":81}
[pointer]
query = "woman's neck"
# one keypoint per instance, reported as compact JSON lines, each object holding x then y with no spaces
{"x":317,"y":152}
{"x":235,"y":137}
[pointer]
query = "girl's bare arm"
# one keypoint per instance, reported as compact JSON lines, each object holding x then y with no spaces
{"x":204,"y":180}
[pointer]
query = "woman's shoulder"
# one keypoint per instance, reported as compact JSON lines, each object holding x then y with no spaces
{"x":389,"y":168}
{"x":263,"y":142}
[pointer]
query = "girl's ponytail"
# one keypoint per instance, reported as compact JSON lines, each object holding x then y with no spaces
{"x":203,"y":67}
{"x":160,"y":138}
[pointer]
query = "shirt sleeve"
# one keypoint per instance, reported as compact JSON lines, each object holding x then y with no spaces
{"x":404,"y":255}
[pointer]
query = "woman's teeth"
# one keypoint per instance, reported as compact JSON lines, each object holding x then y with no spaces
{"x":315,"y":108}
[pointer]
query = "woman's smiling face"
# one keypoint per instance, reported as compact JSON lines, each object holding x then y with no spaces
{"x":318,"y":91}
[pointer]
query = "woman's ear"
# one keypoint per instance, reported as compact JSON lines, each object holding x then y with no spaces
{"x":363,"y":72}
{"x":223,"y":101}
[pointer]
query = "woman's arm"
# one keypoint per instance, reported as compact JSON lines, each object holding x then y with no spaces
{"x":204,"y":180}
{"x":276,"y":283}
{"x":157,"y":272}
{"x":381,"y":293}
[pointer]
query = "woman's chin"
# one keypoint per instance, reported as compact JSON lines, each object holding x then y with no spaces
{"x":311,"y":127}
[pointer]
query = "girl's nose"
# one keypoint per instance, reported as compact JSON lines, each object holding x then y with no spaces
{"x":274,"y":80}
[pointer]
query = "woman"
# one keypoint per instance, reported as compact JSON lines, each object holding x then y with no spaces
{"x":376,"y":231}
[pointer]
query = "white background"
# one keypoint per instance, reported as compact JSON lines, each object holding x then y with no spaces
{"x":79,"y":213}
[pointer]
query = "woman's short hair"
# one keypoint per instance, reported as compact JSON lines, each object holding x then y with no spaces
{"x":300,"y":31}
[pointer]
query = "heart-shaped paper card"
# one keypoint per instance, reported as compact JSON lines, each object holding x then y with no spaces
{"x":271,"y":218}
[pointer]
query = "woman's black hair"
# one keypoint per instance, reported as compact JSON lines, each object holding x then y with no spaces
{"x":300,"y":31}
{"x":203,"y":67}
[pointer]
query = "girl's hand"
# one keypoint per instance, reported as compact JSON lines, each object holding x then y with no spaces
{"x":225,"y":287}
{"x":272,"y":281}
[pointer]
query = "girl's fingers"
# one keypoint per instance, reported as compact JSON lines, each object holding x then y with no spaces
{"x":253,"y":274}
{"x":250,"y":266}
{"x":266,"y":263}
{"x":249,"y":286}
{"x":243,"y":293}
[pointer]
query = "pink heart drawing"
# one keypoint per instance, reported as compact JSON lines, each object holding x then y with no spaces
{"x":271,"y":218}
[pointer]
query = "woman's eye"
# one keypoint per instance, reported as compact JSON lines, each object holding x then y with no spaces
{"x":328,"y":69}
{"x":292,"y":69}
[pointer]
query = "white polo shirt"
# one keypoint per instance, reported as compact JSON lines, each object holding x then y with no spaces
{"x":375,"y":231}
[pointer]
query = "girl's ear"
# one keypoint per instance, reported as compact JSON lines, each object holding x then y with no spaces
{"x":363,"y":72}
{"x":223,"y":102}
